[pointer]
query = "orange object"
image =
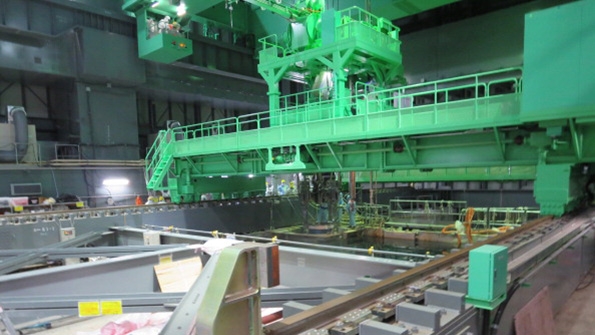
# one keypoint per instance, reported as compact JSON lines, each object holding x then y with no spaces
{"x":468,"y":218}
{"x":139,"y":201}
{"x":449,"y":229}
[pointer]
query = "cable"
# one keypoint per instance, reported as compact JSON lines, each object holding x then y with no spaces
{"x":515,"y":285}
{"x":584,"y":283}
{"x":55,"y":184}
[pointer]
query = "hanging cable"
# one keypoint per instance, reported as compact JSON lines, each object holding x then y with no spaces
{"x":515,"y":286}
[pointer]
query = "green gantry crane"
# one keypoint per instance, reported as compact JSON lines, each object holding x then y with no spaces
{"x":359,"y":115}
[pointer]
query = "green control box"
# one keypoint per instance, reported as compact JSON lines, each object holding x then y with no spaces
{"x":487,"y":276}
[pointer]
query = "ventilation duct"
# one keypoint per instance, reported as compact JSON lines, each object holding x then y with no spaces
{"x":18,"y":117}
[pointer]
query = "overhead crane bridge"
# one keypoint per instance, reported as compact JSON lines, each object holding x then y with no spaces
{"x":471,"y":127}
{"x":305,"y":136}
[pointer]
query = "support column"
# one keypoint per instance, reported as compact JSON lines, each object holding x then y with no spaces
{"x":274,"y":95}
{"x":273,"y":76}
{"x":341,"y":92}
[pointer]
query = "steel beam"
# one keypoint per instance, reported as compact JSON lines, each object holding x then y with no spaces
{"x":409,"y":151}
{"x":43,"y":306}
{"x":92,"y":278}
{"x":39,"y":307}
{"x":92,"y":251}
{"x":314,"y":157}
{"x":18,"y":262}
{"x":577,"y":139}
{"x":330,"y":148}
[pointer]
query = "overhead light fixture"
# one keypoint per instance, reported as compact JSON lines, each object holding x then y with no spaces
{"x":181,"y":9}
{"x":251,"y":176}
{"x":116,"y":182}
{"x":155,"y":4}
{"x":224,"y":176}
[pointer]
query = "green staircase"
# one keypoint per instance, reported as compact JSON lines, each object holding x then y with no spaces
{"x":160,"y":160}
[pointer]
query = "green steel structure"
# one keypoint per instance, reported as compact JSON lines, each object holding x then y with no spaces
{"x":160,"y":36}
{"x":162,"y":25}
{"x":499,"y":125}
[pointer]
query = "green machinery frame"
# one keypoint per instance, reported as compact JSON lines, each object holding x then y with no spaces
{"x":463,"y":128}
{"x":170,"y":42}
{"x":161,"y":44}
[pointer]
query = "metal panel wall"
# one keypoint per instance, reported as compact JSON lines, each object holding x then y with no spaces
{"x":110,"y":57}
{"x":49,"y":45}
{"x":87,"y":184}
{"x":16,"y":14}
{"x":32,"y":97}
{"x":10,"y":95}
{"x":108,"y":121}
{"x":38,"y":54}
{"x":210,"y":53}
{"x":62,"y":101}
{"x":478,"y":44}
{"x":43,"y":17}
{"x":242,"y":218}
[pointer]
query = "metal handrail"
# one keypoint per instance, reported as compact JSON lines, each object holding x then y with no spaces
{"x":360,"y":15}
{"x":219,"y":127}
{"x":156,"y":153}
{"x":307,"y":108}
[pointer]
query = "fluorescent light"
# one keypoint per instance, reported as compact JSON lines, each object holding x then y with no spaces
{"x":181,"y":9}
{"x":224,"y":176}
{"x":251,"y":176}
{"x":116,"y":182}
{"x":155,"y":4}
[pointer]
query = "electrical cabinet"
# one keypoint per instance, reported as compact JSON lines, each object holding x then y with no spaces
{"x":488,"y":271}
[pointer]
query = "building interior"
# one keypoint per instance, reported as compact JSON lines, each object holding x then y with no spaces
{"x":307,"y":167}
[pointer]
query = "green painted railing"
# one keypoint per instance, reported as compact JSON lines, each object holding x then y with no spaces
{"x":153,"y":155}
{"x":355,"y":22}
{"x":310,"y":106}
{"x":424,"y":107}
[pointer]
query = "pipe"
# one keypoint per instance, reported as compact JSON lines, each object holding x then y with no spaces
{"x":21,"y":135}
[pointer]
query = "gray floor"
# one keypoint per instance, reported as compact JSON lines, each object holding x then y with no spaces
{"x":577,"y":316}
